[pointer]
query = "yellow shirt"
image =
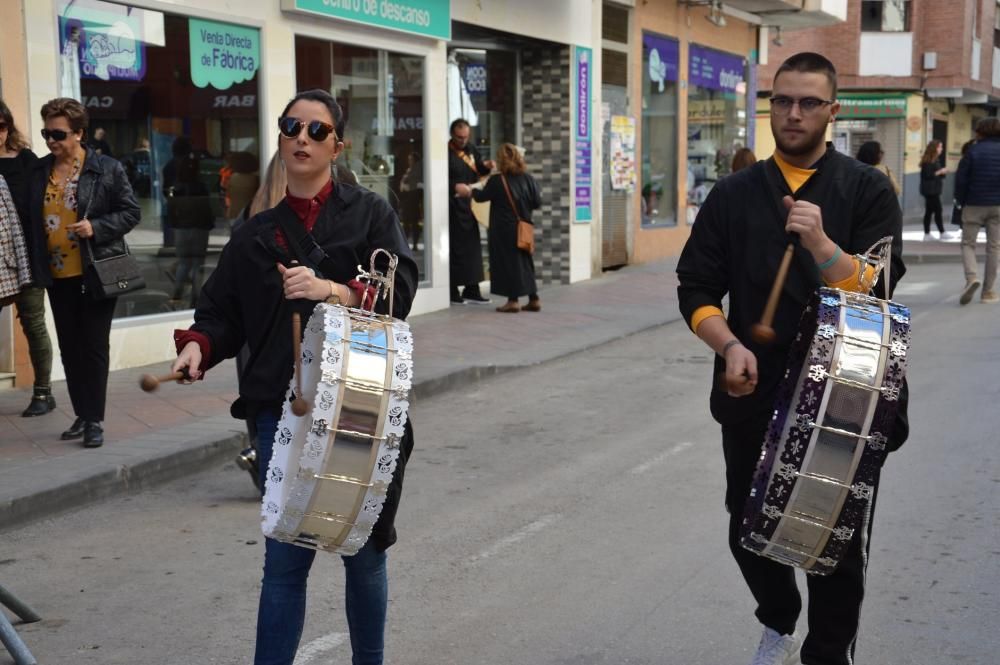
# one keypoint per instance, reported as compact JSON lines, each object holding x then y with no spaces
{"x":795,"y":177}
{"x":59,"y":211}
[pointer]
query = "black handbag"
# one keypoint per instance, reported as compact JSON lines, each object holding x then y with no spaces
{"x":113,"y":276}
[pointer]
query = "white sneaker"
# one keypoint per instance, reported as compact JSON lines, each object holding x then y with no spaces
{"x":949,"y":235}
{"x":777,"y":649}
{"x":928,"y":237}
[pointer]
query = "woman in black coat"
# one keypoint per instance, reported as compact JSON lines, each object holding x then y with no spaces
{"x":78,"y":195}
{"x":512,"y":270}
{"x":931,"y":183}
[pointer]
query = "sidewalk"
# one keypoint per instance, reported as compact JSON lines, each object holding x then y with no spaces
{"x":948,"y":250}
{"x":150,"y":438}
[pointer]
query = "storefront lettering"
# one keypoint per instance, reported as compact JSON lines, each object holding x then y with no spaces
{"x":390,"y":11}
{"x":729,"y":80}
{"x":222,"y":54}
{"x":103,"y":102}
{"x":234,"y":101}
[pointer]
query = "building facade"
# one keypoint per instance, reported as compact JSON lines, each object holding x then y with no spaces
{"x":909,"y":71}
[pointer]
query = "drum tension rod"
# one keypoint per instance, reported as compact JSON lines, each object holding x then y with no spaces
{"x":842,"y":432}
{"x":851,"y":382}
{"x":864,"y":343}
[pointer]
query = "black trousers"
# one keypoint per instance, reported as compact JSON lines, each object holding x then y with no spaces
{"x":834,"y":600}
{"x":932,"y":206}
{"x":83,"y":328}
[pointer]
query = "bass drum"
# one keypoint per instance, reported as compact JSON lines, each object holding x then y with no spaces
{"x":331,"y":468}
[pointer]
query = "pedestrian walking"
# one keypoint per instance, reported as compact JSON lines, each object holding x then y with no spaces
{"x":931,"y":183}
{"x":250,"y":297}
{"x":465,"y":167}
{"x":976,"y":191}
{"x":956,"y":207}
{"x":513,"y":195}
{"x":16,"y":162}
{"x":833,"y":207}
{"x":871,"y":153}
{"x":78,"y":197}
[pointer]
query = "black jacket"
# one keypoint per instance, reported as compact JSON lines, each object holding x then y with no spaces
{"x":737,"y":243}
{"x":243,"y":302}
{"x":103,"y":194}
{"x":977,"y":182}
{"x":931,"y":184}
{"x":17,"y":172}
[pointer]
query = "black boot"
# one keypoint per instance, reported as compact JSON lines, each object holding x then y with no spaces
{"x":75,"y":430}
{"x":93,"y":434}
{"x":42,"y":402}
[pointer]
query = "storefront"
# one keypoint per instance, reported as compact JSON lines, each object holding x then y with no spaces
{"x":873,"y":117}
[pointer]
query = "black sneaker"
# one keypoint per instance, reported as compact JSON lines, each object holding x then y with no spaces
{"x":93,"y":435}
{"x":75,"y":430}
{"x":476,"y":298}
{"x":457,"y":300}
{"x":41,"y":403}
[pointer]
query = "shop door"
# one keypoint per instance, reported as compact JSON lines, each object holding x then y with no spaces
{"x":614,"y":203}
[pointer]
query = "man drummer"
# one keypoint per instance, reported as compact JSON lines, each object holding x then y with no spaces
{"x":831,"y":207}
{"x":250,"y":298}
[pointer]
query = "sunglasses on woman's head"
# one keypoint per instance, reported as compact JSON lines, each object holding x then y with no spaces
{"x":317,"y":130}
{"x":55,"y":134}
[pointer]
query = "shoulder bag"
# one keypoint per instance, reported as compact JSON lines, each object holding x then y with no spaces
{"x":525,"y":230}
{"x":113,"y":276}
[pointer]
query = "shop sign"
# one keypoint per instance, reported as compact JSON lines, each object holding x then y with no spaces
{"x":707,"y":111}
{"x":663,"y":57}
{"x":108,"y":45}
{"x":222,"y":54}
{"x":621,"y":145}
{"x":431,"y":18}
{"x":475,"y":79}
{"x":716,"y":70}
{"x":871,"y":107}
{"x":582,"y":76}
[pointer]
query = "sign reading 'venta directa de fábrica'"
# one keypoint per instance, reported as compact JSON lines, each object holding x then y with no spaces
{"x":222,"y":54}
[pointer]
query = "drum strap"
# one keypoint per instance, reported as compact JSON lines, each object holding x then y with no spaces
{"x":301,"y":242}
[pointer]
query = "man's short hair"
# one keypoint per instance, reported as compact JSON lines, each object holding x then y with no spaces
{"x":458,"y":124}
{"x":988,"y":127}
{"x":813,"y":63}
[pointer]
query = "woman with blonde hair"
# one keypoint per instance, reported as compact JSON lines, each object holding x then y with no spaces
{"x":512,"y":270}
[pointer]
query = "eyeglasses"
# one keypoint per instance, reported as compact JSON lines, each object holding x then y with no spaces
{"x":781,"y":105}
{"x":317,"y":130}
{"x":3,"y":126}
{"x":55,"y":134}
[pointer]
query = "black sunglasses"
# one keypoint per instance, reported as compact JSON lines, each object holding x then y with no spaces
{"x":3,"y":126}
{"x":55,"y":134}
{"x":317,"y":130}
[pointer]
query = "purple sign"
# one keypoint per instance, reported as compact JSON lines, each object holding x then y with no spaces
{"x":583,"y":95}
{"x":715,"y":70}
{"x":663,"y":56}
{"x":583,"y":177}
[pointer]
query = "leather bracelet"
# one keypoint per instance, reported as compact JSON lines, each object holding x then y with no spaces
{"x":830,"y":261}
{"x":730,"y":344}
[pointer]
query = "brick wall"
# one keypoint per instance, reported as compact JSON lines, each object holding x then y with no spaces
{"x":545,"y":116}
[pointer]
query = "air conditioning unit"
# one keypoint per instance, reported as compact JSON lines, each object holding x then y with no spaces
{"x":930,"y":59}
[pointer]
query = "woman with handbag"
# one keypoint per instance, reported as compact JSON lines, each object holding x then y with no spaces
{"x":81,"y":207}
{"x":513,"y":194}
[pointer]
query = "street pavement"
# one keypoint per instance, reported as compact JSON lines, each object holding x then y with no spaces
{"x":568,"y":513}
{"x":154,"y":437}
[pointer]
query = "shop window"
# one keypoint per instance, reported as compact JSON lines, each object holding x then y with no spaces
{"x":717,"y":119}
{"x":175,"y":100}
{"x":381,"y":93}
{"x":660,"y":56}
{"x":885,"y":15}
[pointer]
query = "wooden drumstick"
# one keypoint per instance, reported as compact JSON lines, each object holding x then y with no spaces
{"x":763,"y":332}
{"x":149,"y":382}
{"x":299,"y":405}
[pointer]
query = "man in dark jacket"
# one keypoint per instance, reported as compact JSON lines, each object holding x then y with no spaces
{"x":465,"y":166}
{"x":977,"y":191}
{"x":830,"y":206}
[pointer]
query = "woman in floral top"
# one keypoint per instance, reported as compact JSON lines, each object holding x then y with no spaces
{"x":78,"y":196}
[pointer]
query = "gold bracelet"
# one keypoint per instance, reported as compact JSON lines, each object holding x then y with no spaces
{"x":333,"y":298}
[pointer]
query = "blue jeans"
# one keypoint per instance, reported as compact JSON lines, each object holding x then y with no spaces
{"x":282,"y":610}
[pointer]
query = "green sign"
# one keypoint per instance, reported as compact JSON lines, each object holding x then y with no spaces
{"x":222,"y":54}
{"x":431,"y":18}
{"x":866,"y":106}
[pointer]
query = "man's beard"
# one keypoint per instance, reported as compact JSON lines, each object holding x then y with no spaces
{"x":812,"y":141}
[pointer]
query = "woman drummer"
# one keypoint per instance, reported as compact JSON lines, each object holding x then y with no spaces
{"x":250,"y":298}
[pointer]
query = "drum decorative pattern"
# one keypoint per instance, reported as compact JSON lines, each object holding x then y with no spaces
{"x":826,"y":441}
{"x":357,"y":372}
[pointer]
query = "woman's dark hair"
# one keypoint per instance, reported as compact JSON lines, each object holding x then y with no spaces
{"x":326,"y":99}
{"x":72,"y":110}
{"x":743,"y":158}
{"x":967,"y":145}
{"x":870,"y":153}
{"x":988,"y":127}
{"x":930,"y":152}
{"x":15,"y":140}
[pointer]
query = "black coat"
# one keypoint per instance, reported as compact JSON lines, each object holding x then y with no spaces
{"x":17,"y":172}
{"x":103,"y":193}
{"x":977,"y":182}
{"x":737,"y":243}
{"x":930,"y":183}
{"x":512,"y":271}
{"x":466,"y":255}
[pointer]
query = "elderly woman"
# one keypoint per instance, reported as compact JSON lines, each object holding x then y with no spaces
{"x":512,"y":270}
{"x":250,"y":298}
{"x":78,"y":196}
